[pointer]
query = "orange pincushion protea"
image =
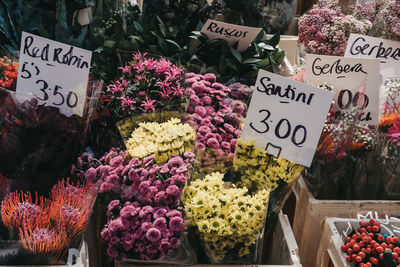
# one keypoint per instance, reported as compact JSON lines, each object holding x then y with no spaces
{"x":42,"y":241}
{"x":70,"y":206}
{"x":18,"y":209}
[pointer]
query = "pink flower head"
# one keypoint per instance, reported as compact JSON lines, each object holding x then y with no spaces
{"x":125,"y":70}
{"x":173,"y":190}
{"x":153,"y":235}
{"x":148,"y":105}
{"x":213,"y":143}
{"x":126,"y":102}
{"x":176,"y":224}
{"x":116,"y":87}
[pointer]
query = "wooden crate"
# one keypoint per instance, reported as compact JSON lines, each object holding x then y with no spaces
{"x":334,"y":231}
{"x":281,"y":252}
{"x":309,"y":213}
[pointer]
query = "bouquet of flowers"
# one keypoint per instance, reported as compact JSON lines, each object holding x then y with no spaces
{"x":145,"y":219}
{"x":216,"y":117}
{"x":387,"y":22}
{"x":229,"y":220}
{"x":325,"y":29}
{"x":8,"y":73}
{"x":389,"y":141}
{"x":147,"y":85}
{"x":38,"y":144}
{"x":43,"y":230}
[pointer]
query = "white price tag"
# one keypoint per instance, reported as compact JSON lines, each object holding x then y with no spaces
{"x":346,"y":76}
{"x":387,"y":51}
{"x":231,"y":33}
{"x":56,"y":74}
{"x":286,"y":117}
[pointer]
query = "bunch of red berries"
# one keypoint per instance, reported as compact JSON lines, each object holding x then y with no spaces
{"x":369,"y":247}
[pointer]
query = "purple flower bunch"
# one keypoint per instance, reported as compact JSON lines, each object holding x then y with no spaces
{"x":142,"y":231}
{"x":145,"y":216}
{"x":216,"y":117}
{"x":325,"y":29}
{"x":84,"y":169}
{"x":147,"y":85}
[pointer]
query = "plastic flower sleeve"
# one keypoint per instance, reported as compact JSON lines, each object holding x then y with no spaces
{"x":144,"y":219}
{"x":39,"y":143}
{"x":217,"y":113}
{"x":388,"y":148}
{"x":42,"y":230}
{"x":228,"y":220}
{"x":162,"y":134}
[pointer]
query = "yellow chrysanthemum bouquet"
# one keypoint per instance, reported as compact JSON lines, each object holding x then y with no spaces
{"x":161,"y":134}
{"x":229,"y":221}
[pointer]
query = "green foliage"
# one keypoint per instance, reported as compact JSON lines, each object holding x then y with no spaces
{"x":47,"y":18}
{"x":227,"y":63}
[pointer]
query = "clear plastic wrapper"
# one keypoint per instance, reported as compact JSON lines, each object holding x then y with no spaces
{"x":228,"y":221}
{"x":144,"y":220}
{"x":43,"y":215}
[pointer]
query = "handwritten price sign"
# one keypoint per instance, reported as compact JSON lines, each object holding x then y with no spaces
{"x":286,"y":117}
{"x":231,"y":33}
{"x":347,"y":76}
{"x":54,"y":73}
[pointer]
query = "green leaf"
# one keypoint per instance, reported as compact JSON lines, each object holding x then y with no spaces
{"x":251,"y":60}
{"x":265,"y":46}
{"x":109,"y":43}
{"x":279,"y":56}
{"x":174,"y":43}
{"x":137,"y":26}
{"x":236,"y":54}
{"x":263,"y":63}
{"x":274,"y":41}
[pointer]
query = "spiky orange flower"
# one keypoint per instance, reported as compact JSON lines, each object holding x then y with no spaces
{"x":42,"y":241}
{"x":388,"y":119}
{"x":18,"y":209}
{"x":71,"y":205}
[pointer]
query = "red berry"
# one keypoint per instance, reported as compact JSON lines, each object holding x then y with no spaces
{"x":365,"y":239}
{"x":384,"y":245}
{"x":395,"y":255}
{"x":395,"y":240}
{"x":348,"y":258}
{"x":368,"y":250}
{"x":352,"y":242}
{"x":376,"y":245}
{"x":368,"y":264}
{"x":381,"y":256}
{"x":361,"y":223}
{"x":397,"y":250}
{"x":361,"y":244}
{"x":362,"y":230}
{"x":356,"y":248}
{"x":371,"y":235}
{"x":349,"y":251}
{"x":398,"y":260}
{"x":379,"y":249}
{"x":361,"y":254}
{"x":348,"y":239}
{"x":375,"y":228}
{"x":369,"y":228}
{"x":381,"y":237}
{"x":377,"y":224}
{"x":344,"y":248}
{"x":374,"y":260}
{"x":388,"y":240}
{"x":358,"y":259}
{"x":371,"y":222}
{"x":354,"y":236}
